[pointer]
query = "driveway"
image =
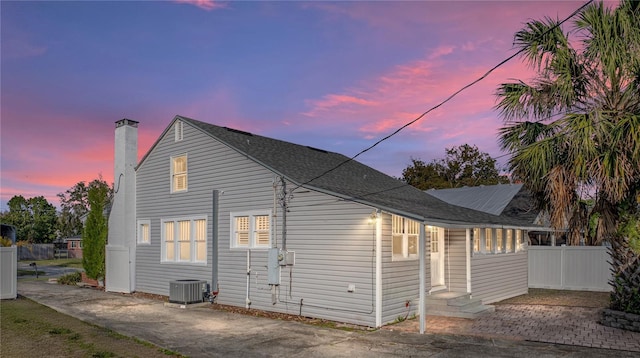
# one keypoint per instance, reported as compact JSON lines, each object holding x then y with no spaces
{"x":49,"y":271}
{"x":204,"y":332}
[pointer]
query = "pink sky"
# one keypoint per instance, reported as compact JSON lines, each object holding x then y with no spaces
{"x":333,"y":75}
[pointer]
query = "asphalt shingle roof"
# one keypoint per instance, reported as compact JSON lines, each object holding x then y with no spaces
{"x":337,"y":175}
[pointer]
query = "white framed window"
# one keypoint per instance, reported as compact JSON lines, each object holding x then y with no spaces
{"x":519,"y":243}
{"x":435,"y":247}
{"x":178,"y":130}
{"x":476,"y":239}
{"x":499,"y":241}
{"x":143,"y":233}
{"x":488,"y":240}
{"x":251,"y":230}
{"x":184,"y":240}
{"x":509,"y":240}
{"x":404,"y":238}
{"x":179,"y":173}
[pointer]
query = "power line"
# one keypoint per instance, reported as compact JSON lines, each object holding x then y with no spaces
{"x":442,"y":102}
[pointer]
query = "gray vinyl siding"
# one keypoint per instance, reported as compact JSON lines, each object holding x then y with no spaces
{"x":455,"y":266}
{"x":496,"y":277}
{"x":334,"y":247}
{"x":333,"y":242}
{"x":155,"y":202}
{"x":400,"y":279}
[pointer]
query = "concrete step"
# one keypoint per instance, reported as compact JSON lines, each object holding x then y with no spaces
{"x":471,"y":314}
{"x":456,"y":304}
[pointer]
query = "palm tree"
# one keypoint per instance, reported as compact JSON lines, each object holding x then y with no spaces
{"x":574,"y":130}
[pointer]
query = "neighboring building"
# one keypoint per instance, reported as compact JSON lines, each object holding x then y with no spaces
{"x":283,"y":227}
{"x":74,"y":246}
{"x":506,"y":200}
{"x":70,"y":247}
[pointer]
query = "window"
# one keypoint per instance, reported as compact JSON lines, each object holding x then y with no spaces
{"x":434,"y":239}
{"x":184,"y":240}
{"x":251,"y":230}
{"x":499,"y":240}
{"x":496,"y":241}
{"x":404,"y":238}
{"x":518,"y":240}
{"x":179,"y":173}
{"x":476,"y":240}
{"x":178,"y":129}
{"x":143,"y":232}
{"x":509,"y":240}
{"x":488,"y":240}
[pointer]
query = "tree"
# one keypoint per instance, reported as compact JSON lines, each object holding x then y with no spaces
{"x":575,"y":128}
{"x":74,"y":205}
{"x":34,"y":219}
{"x":94,"y":236}
{"x":462,"y":166}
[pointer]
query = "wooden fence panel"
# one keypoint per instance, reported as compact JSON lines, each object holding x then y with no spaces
{"x":35,"y":252}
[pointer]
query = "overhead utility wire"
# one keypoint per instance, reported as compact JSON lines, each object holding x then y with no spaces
{"x":441,"y":103}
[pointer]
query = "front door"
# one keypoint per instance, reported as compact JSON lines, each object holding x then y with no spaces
{"x":437,"y":258}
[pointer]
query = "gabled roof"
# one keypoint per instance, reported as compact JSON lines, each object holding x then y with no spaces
{"x":508,"y":200}
{"x":337,"y":175}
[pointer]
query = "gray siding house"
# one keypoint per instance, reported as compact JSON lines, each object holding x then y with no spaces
{"x":277,"y":226}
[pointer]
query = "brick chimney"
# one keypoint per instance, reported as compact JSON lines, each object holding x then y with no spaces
{"x":121,"y":244}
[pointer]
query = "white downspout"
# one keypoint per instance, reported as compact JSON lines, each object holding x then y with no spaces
{"x":378,"y":268}
{"x":468,"y":259}
{"x":248,"y":299}
{"x":421,"y":249}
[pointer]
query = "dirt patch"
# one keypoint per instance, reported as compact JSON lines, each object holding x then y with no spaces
{"x":539,"y":296}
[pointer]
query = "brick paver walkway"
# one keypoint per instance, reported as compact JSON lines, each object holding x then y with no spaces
{"x":576,"y":326}
{"x":556,"y":324}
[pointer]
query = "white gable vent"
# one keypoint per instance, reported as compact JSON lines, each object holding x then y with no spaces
{"x":178,"y":131}
{"x":187,"y":291}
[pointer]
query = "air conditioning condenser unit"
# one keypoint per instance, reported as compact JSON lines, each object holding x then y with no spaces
{"x":187,"y":291}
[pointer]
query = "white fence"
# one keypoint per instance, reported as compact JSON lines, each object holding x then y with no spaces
{"x":8,"y":272}
{"x":584,"y":268}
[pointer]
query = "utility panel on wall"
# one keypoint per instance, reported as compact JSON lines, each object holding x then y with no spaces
{"x":273,"y":266}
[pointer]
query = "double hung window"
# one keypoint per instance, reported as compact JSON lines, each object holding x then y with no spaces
{"x":179,"y":173}
{"x":405,"y":234}
{"x":184,"y":240}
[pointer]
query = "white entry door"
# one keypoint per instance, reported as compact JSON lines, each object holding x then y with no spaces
{"x":437,"y":257}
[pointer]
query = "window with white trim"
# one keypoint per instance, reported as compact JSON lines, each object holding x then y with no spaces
{"x":499,"y":241}
{"x":184,"y":240}
{"x":179,"y":173}
{"x":433,"y":232}
{"x":144,"y":232}
{"x":519,"y":243}
{"x":476,"y":240}
{"x":496,"y":241}
{"x":251,"y":230}
{"x":488,"y":240}
{"x":404,"y":238}
{"x":178,"y":130}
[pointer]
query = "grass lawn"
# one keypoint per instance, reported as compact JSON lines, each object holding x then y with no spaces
{"x":33,"y":330}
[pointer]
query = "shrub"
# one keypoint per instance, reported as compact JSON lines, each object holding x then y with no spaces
{"x":70,"y":278}
{"x":5,"y":242}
